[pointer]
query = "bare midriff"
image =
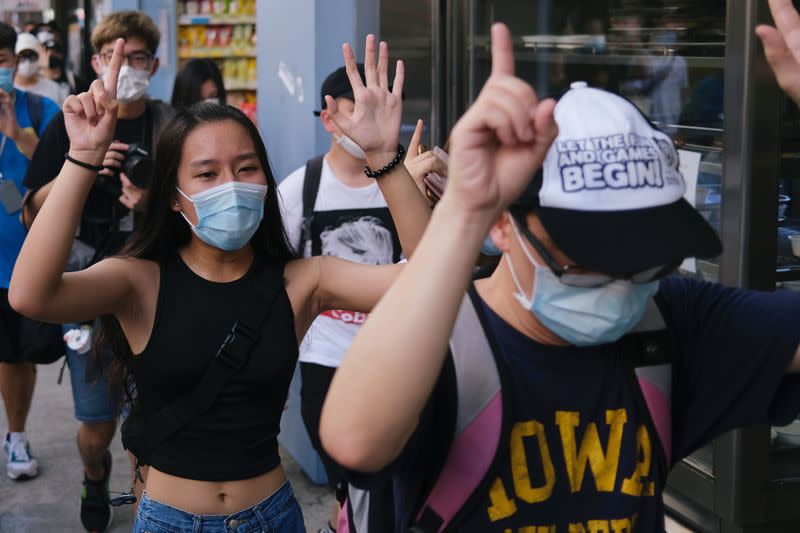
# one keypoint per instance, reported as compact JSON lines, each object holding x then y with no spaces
{"x":212,"y":497}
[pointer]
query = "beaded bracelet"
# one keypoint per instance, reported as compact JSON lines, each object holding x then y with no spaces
{"x":401,"y":152}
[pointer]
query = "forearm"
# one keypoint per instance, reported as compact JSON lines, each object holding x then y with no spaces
{"x":34,"y":203}
{"x":26,"y":141}
{"x":794,"y":367}
{"x":392,"y":366}
{"x":410,"y":211}
{"x":44,"y":255}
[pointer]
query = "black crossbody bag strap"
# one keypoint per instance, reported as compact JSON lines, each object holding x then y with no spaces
{"x":231,"y":357}
{"x":311,"y":182}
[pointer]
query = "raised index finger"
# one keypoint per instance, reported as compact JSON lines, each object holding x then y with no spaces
{"x":111,"y":78}
{"x":502,"y":50}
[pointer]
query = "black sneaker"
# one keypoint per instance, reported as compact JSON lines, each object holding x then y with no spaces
{"x":95,"y":509}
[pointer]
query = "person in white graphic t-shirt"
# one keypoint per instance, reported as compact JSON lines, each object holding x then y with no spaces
{"x":330,"y":207}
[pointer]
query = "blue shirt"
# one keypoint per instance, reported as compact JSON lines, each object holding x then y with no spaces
{"x":14,"y":166}
{"x":582,"y":453}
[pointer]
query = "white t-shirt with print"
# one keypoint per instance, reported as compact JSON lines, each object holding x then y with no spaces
{"x":48,"y":88}
{"x":331,"y":333}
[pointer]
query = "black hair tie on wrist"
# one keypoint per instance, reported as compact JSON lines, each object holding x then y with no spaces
{"x":88,"y":166}
{"x":388,"y":168}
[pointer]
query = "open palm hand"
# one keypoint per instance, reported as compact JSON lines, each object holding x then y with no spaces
{"x":375,"y":122}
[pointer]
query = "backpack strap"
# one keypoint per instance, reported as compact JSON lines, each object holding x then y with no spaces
{"x":160,"y":113}
{"x":35,"y":110}
{"x":479,"y":423}
{"x":311,"y":182}
{"x":651,"y":350}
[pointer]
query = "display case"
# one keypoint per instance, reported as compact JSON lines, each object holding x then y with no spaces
{"x":697,"y":69}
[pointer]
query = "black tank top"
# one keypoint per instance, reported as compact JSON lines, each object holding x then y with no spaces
{"x":237,"y":437}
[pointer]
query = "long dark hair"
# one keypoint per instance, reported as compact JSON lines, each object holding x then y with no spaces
{"x":186,"y":91}
{"x":161,"y":231}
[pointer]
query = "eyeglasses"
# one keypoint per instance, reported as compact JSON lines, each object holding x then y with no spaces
{"x":137,"y":60}
{"x":577,"y":276}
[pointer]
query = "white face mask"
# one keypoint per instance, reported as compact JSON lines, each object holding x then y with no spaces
{"x":29,"y":69}
{"x":132,"y":84}
{"x":350,"y":146}
{"x":213,"y":100}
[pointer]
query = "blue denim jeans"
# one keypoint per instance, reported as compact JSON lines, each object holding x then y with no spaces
{"x":280,"y":513}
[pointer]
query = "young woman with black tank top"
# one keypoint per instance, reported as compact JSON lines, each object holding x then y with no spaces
{"x":209,"y":243}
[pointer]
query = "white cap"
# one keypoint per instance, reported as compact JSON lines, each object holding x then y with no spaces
{"x":26,"y":41}
{"x":608,"y":156}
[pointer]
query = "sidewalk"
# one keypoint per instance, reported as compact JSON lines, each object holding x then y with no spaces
{"x":50,"y":503}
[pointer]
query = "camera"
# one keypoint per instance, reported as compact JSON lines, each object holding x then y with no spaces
{"x":138,"y":165}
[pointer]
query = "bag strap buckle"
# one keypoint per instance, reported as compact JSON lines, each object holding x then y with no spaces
{"x":234,"y":351}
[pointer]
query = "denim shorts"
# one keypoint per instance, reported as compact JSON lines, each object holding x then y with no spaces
{"x":93,"y":403}
{"x":279,"y":513}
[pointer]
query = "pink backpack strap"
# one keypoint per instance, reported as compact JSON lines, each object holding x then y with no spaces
{"x":656,"y":385}
{"x":654,"y":373}
{"x":479,"y":423}
{"x":355,"y":513}
{"x":343,"y":524}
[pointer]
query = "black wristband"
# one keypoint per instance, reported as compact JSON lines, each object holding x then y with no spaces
{"x":88,"y":166}
{"x":401,"y":152}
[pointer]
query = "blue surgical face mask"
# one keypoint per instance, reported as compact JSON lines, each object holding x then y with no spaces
{"x":228,"y":215}
{"x":490,"y":248}
{"x":581,"y":316}
{"x":7,"y":79}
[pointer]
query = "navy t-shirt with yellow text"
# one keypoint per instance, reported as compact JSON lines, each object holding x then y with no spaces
{"x":583,"y":455}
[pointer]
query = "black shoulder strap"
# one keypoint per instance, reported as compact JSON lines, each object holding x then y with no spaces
{"x":231,"y":357}
{"x":310,"y":189}
{"x":650,"y":343}
{"x":35,"y":110}
{"x":160,"y":112}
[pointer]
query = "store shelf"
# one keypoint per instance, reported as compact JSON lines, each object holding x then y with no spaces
{"x":241,"y":86}
{"x":194,"y":20}
{"x":216,"y":53}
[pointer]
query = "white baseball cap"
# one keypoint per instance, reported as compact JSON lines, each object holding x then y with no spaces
{"x":610,"y":193}
{"x":26,"y":41}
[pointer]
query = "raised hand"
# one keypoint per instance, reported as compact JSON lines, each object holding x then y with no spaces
{"x":8,"y":116}
{"x":782,"y":46}
{"x":91,"y":117}
{"x":420,"y":166}
{"x":375,"y":122}
{"x":501,"y":140}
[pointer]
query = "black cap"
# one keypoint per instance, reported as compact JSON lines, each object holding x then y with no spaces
{"x":337,"y":85}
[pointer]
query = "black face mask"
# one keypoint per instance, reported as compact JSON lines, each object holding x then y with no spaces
{"x":55,"y":62}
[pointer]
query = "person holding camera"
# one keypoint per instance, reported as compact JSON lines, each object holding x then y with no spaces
{"x":106,"y":223}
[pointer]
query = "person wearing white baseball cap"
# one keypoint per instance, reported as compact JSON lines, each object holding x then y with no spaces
{"x":610,"y":192}
{"x":29,"y":72}
{"x":557,"y":394}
